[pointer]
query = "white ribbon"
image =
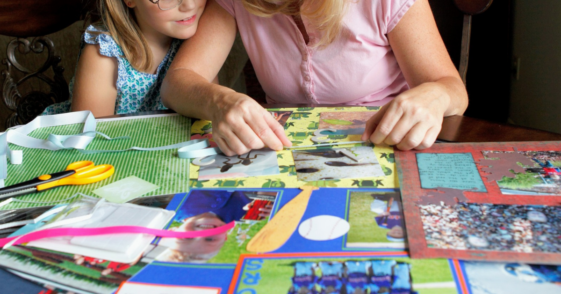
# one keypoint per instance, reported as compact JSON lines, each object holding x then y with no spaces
{"x":19,"y":136}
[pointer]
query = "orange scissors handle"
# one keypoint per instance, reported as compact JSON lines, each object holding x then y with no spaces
{"x":78,"y":165}
{"x":85,"y":174}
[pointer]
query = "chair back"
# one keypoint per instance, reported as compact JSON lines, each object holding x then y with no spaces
{"x":28,"y":21}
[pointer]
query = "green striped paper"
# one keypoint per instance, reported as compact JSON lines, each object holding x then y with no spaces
{"x":162,"y":168}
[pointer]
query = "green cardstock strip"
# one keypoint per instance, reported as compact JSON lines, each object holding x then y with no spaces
{"x":125,"y":189}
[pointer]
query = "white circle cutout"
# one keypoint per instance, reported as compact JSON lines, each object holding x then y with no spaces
{"x":323,"y":228}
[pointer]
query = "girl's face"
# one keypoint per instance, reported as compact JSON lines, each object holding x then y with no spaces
{"x":179,"y":22}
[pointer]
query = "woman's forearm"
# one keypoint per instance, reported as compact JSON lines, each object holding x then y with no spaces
{"x":454,"y":89}
{"x":191,"y":95}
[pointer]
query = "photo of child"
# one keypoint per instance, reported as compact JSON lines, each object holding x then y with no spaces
{"x":210,"y":209}
{"x":376,"y":220}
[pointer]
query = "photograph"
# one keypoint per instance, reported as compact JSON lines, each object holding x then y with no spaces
{"x":252,"y":164}
{"x":474,"y":226}
{"x":345,"y":275}
{"x":77,"y":271}
{"x":352,"y":122}
{"x":376,"y":220}
{"x":499,"y":278}
{"x":209,"y":209}
{"x":542,"y":177}
{"x":334,"y":164}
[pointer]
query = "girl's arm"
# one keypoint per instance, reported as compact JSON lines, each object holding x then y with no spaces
{"x":414,"y":118}
{"x":239,"y":123}
{"x":95,"y":82}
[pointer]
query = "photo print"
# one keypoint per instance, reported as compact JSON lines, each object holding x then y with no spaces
{"x":353,"y":275}
{"x":330,"y":164}
{"x":474,"y":226}
{"x":253,"y":164}
{"x":209,"y":209}
{"x":281,"y":116}
{"x":540,"y":173}
{"x":376,"y":220}
{"x":78,"y":271}
{"x":499,"y":277}
{"x":352,"y":122}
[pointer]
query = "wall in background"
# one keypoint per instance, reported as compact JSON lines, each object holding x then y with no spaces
{"x":536,"y":94}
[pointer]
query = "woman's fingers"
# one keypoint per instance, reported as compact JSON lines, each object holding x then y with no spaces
{"x":390,"y":116}
{"x":279,"y":137}
{"x":223,"y":146}
{"x":414,"y":137}
{"x":244,"y":125}
{"x":372,"y":123}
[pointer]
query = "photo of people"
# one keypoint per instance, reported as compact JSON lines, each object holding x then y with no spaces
{"x":350,"y":275}
{"x":543,"y":177}
{"x":498,"y":277}
{"x":376,"y":220}
{"x":474,"y":226}
{"x":210,"y":209}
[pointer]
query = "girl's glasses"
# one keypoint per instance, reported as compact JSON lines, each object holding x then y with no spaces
{"x":167,"y":4}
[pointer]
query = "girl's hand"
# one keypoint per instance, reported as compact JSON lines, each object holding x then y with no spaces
{"x":412,"y":120}
{"x":240,"y":124}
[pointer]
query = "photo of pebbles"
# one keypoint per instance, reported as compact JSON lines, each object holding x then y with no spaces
{"x":475,"y":226}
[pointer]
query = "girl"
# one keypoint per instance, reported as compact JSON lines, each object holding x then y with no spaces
{"x":124,"y":59}
{"x":353,"y":52}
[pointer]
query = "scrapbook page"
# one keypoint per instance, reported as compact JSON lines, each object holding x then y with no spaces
{"x":486,"y":201}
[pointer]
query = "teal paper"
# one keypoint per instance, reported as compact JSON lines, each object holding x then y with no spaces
{"x":449,"y":170}
{"x":125,"y":189}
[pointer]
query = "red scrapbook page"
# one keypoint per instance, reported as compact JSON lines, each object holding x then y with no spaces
{"x":483,"y":201}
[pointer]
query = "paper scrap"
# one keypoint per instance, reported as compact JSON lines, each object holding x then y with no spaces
{"x":496,"y":169}
{"x":323,"y":228}
{"x":125,"y":189}
{"x":449,"y":170}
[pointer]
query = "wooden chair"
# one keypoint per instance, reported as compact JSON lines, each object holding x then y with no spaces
{"x":469,"y":8}
{"x":33,"y":19}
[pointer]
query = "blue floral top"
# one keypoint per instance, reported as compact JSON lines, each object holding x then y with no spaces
{"x":136,"y":91}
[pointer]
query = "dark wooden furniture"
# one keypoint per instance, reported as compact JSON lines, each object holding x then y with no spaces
{"x":469,"y":8}
{"x":35,"y":18}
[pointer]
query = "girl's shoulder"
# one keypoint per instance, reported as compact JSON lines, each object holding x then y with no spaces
{"x":99,"y":35}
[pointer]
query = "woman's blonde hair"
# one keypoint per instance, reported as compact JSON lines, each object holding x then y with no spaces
{"x":122,"y":26}
{"x":325,"y":16}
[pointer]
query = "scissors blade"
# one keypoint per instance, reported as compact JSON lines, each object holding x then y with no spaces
{"x":17,"y":193}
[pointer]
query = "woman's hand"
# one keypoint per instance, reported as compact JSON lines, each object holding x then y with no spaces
{"x":240,"y":124}
{"x":412,"y":120}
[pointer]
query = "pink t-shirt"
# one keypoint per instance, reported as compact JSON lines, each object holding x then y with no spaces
{"x":358,"y":68}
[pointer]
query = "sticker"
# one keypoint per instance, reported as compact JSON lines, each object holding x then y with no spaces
{"x":125,"y":189}
{"x":323,"y":228}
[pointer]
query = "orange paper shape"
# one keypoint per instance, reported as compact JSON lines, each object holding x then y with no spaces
{"x":275,"y":233}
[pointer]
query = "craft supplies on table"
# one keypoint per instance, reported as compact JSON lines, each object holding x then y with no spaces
{"x":350,"y":236}
{"x":76,"y":173}
{"x":161,"y":167}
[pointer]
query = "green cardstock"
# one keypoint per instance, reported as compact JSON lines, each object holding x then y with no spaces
{"x":125,"y":189}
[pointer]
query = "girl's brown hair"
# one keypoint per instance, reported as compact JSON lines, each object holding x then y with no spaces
{"x":324,"y":15}
{"x":122,"y":26}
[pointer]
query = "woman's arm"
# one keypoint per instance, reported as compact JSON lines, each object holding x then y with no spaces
{"x":413,"y":119}
{"x":95,"y":86}
{"x":239,"y":123}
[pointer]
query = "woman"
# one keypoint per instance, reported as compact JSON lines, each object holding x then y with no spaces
{"x":363,"y":52}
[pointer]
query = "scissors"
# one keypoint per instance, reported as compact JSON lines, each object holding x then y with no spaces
{"x":76,"y":173}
